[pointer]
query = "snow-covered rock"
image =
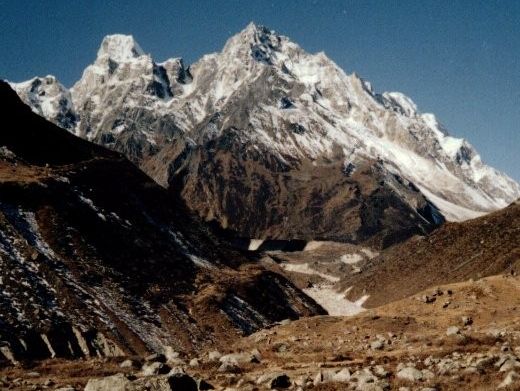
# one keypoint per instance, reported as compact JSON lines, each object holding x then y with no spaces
{"x":296,"y":106}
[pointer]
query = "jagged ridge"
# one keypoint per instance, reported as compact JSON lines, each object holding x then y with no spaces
{"x":266,"y":102}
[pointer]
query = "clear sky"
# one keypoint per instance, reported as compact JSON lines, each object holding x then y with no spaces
{"x":457,"y":59}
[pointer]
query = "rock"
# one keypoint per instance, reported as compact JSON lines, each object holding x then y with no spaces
{"x":380,"y":371}
{"x":280,"y":381}
{"x":32,"y":374}
{"x":203,"y":385}
{"x":229,"y":367}
{"x":377,"y":345}
{"x":452,"y":330}
{"x":509,"y":365}
{"x":427,"y":374}
{"x":364,"y":378}
{"x":214,"y":355}
{"x":155,"y":357}
{"x":255,"y":353}
{"x":410,"y":373}
{"x":427,"y":299}
{"x":69,"y":388}
{"x":155,"y":368}
{"x":509,"y":380}
{"x":177,"y":381}
{"x":170,"y":354}
{"x":181,"y":381}
{"x":117,"y":382}
{"x":342,"y":376}
{"x":194,"y":362}
{"x":128,"y":364}
{"x":467,"y":320}
{"x":239,"y":358}
{"x":318,"y":379}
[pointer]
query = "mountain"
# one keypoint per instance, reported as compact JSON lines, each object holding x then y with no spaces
{"x":456,"y":252}
{"x":96,"y":259}
{"x":270,"y":141}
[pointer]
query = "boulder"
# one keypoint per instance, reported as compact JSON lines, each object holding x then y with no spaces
{"x":214,"y":355}
{"x":452,"y":330}
{"x":117,"y":382}
{"x":280,"y":381}
{"x":128,"y":364}
{"x":155,"y":357}
{"x":410,"y":374}
{"x":511,"y":378}
{"x":155,"y":368}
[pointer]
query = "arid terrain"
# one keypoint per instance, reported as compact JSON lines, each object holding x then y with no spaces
{"x":467,"y":337}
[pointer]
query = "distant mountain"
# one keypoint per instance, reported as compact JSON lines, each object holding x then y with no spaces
{"x":97,"y":259}
{"x":271,"y":141}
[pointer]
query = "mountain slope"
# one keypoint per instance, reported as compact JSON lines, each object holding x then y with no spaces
{"x":97,"y":259}
{"x":455,"y":252}
{"x":241,"y":134}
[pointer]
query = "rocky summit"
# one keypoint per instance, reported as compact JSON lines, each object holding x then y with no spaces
{"x":270,"y":141}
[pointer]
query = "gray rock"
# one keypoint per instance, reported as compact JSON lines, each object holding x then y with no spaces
{"x":511,"y":378}
{"x":410,"y":374}
{"x":452,"y":330}
{"x":229,"y":367}
{"x":117,"y":382}
{"x":178,"y":381}
{"x":380,"y":371}
{"x":377,"y":345}
{"x":342,"y":376}
{"x":509,"y":365}
{"x":128,"y":364}
{"x":155,"y":368}
{"x":239,"y":358}
{"x":214,"y":355}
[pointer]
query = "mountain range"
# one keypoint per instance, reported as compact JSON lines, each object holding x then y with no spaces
{"x":269,"y":141}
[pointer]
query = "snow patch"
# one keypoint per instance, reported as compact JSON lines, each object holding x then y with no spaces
{"x":304,"y":268}
{"x":335,"y":302}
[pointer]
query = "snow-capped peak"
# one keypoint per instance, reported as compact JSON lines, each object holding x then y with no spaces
{"x":119,"y":48}
{"x":297,"y":104}
{"x":406,"y":105}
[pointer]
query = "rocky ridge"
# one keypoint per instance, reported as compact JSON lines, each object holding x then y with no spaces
{"x":247,"y":135}
{"x":96,"y":259}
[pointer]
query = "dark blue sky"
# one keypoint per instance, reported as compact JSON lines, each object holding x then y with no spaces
{"x":457,"y":59}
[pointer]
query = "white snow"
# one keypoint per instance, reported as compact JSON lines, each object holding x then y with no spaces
{"x":335,"y":302}
{"x":119,"y":47}
{"x":451,"y":211}
{"x":336,"y":110}
{"x":255,"y":244}
{"x":351,"y":259}
{"x":304,"y":268}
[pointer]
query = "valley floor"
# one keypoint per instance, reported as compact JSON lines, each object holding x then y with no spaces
{"x":463,"y":336}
